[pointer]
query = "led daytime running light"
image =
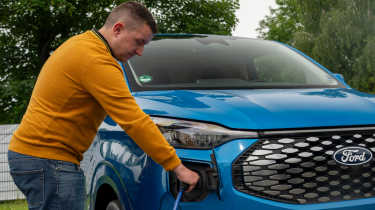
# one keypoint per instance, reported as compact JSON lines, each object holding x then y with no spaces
{"x":191,"y":134}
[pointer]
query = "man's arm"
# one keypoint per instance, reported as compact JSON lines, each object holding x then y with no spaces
{"x":105,"y":82}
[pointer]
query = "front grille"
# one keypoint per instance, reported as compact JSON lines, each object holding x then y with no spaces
{"x":301,"y":169}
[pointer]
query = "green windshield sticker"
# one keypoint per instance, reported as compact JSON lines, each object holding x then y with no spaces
{"x":145,"y":78}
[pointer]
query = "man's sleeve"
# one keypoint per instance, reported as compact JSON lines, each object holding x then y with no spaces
{"x":104,"y":81}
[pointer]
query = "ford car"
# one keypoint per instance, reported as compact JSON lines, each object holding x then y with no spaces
{"x":265,"y":127}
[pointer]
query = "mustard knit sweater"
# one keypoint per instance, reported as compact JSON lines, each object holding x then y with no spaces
{"x":78,"y":86}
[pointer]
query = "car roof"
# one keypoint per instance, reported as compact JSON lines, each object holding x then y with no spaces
{"x":159,"y":36}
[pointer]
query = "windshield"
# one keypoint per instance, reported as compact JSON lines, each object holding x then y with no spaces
{"x":202,"y":62}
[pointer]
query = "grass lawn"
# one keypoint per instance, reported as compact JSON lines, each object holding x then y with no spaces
{"x":13,"y":205}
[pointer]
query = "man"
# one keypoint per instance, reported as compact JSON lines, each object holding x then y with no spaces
{"x":78,"y":86}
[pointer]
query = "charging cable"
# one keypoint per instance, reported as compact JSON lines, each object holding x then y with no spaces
{"x":183,"y":187}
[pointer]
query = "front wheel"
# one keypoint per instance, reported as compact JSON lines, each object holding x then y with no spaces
{"x":114,"y":205}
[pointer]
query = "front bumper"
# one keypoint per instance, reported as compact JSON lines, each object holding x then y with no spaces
{"x":231,"y":198}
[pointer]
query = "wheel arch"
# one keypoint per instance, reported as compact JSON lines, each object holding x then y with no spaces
{"x":108,"y":186}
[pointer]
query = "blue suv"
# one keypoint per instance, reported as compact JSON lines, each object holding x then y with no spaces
{"x":264,"y":126}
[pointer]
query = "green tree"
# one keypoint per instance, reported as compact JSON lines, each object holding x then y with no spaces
{"x":365,"y":68}
{"x":345,"y":31}
{"x":282,"y":23}
{"x":340,"y":42}
{"x":338,"y":34}
{"x":31,"y":29}
{"x":292,"y":17}
{"x":195,"y":16}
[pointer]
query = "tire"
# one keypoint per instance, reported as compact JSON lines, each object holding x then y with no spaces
{"x":114,"y":205}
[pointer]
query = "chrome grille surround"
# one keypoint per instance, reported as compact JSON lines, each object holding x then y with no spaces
{"x":299,"y":168}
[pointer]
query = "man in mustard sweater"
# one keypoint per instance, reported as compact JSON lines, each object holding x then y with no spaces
{"x":80,"y":83}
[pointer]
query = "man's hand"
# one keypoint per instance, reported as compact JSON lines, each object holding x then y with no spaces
{"x":187,"y":176}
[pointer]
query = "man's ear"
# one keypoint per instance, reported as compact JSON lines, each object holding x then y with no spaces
{"x":117,"y":27}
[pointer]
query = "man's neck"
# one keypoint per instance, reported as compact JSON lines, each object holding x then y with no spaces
{"x":103,"y":34}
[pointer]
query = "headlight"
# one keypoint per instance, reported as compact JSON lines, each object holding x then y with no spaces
{"x":191,"y":134}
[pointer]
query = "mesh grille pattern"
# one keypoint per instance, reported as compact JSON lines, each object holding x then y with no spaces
{"x":302,"y":169}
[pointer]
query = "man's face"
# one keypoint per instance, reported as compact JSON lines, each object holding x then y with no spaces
{"x":130,"y":41}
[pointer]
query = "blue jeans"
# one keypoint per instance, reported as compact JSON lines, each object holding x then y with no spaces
{"x":48,"y":184}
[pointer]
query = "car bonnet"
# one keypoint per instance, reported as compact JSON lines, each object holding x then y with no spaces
{"x":263,"y":109}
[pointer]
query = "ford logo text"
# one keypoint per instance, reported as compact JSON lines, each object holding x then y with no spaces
{"x":352,"y":155}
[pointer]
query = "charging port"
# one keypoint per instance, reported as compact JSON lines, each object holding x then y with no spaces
{"x":208,"y":182}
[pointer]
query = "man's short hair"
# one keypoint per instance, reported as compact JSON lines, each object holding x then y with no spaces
{"x":133,"y":14}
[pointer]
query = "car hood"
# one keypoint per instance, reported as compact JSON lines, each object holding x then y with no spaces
{"x":264,"y":109}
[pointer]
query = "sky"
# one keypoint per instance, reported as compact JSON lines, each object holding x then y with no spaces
{"x":251,"y":12}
